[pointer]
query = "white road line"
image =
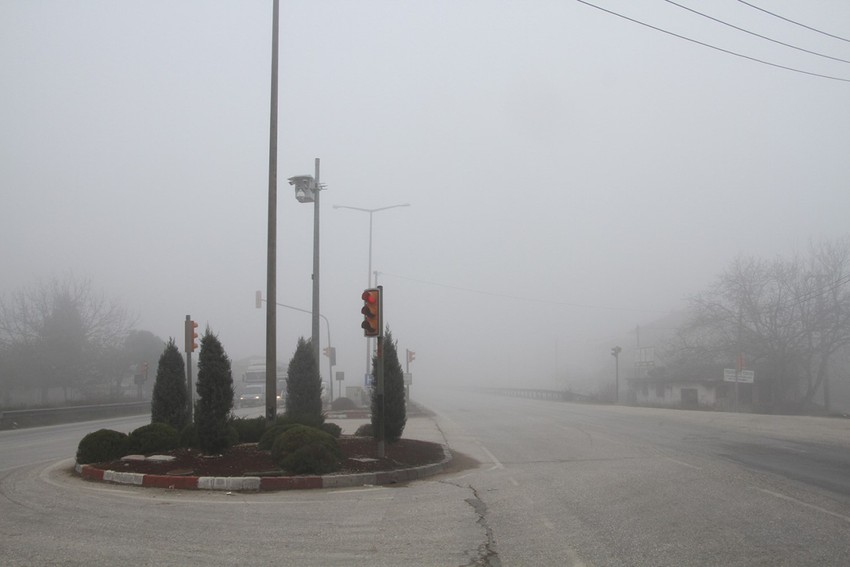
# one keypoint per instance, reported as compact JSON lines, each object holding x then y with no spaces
{"x":806,"y":504}
{"x":498,"y":465}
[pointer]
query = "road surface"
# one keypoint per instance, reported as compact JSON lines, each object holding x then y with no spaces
{"x":554,"y":484}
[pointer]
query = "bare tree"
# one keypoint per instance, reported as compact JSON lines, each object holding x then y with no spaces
{"x":67,"y":327}
{"x":787,"y":318}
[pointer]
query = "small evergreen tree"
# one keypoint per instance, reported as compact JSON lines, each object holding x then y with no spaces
{"x":304,"y":385}
{"x":395,"y":410}
{"x":169,"y":402}
{"x":215,"y":395}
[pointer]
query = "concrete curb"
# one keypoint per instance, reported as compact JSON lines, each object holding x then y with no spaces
{"x":264,"y":483}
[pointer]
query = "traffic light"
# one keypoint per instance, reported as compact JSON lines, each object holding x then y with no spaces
{"x":371,"y":312}
{"x":191,"y":336}
{"x":411,"y":356}
{"x":330,"y":352}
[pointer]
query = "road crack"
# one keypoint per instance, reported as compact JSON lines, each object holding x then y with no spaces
{"x":486,"y":554}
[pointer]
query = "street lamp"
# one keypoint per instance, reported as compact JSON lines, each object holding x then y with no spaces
{"x":331,"y":361}
{"x":307,"y":189}
{"x":369,"y":284}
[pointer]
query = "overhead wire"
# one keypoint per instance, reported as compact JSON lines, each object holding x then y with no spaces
{"x":524,"y":297}
{"x":790,"y":21}
{"x":710,"y":46}
{"x":733,"y":26}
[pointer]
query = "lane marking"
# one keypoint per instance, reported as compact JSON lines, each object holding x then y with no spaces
{"x":806,"y":504}
{"x":498,"y":465}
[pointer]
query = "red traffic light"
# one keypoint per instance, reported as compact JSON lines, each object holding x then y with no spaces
{"x":191,"y":336}
{"x":371,"y":312}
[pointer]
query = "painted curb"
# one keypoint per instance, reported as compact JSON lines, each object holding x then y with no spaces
{"x":264,"y":483}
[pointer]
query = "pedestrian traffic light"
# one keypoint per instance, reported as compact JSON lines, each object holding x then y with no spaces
{"x":191,"y":336}
{"x":371,"y":312}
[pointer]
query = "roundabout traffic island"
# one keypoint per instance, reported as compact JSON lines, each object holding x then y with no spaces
{"x":244,"y":467}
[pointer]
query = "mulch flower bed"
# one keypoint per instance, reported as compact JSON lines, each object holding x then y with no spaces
{"x":360,"y":455}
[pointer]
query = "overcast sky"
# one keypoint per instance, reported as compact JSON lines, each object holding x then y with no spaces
{"x":549,"y":150}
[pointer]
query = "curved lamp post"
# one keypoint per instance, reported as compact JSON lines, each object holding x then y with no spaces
{"x":369,"y":285}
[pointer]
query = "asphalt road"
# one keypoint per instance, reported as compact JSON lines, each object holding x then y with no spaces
{"x":554,"y":484}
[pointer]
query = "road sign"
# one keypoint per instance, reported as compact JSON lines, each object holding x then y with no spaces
{"x":742,"y":377}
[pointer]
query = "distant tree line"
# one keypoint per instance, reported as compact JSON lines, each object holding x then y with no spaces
{"x":788,"y":319}
{"x":64,"y":335}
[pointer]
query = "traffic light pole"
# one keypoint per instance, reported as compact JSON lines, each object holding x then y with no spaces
{"x":380,"y":434}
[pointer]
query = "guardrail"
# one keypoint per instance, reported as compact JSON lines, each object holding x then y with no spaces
{"x":538,"y":394}
{"x":12,"y":419}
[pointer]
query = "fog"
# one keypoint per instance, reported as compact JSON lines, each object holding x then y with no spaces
{"x":571,"y":174}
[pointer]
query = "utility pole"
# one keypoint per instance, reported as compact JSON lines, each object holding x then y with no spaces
{"x":315,"y":331}
{"x":271,"y":258}
{"x":615,"y":352}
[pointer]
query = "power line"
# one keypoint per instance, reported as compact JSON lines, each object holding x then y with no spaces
{"x":524,"y":297}
{"x":793,"y":22}
{"x":733,"y":26}
{"x":727,"y":51}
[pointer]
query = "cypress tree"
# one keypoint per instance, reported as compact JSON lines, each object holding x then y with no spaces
{"x":169,"y":400}
{"x":215,"y":395}
{"x":395,"y":404}
{"x":304,"y":386}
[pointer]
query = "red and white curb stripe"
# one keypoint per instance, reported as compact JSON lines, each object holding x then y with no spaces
{"x":258,"y":483}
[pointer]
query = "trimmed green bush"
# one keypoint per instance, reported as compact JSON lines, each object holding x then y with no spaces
{"x":310,"y":420}
{"x":102,"y":445}
{"x":332,"y":428}
{"x":154,"y":438}
{"x":267,"y":439}
{"x":306,"y":450}
{"x":365,"y":430}
{"x":189,"y":437}
{"x":249,"y":429}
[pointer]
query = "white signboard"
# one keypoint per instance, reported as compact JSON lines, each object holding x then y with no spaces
{"x":743,"y":377}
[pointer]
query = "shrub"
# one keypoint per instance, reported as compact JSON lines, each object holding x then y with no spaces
{"x":306,"y":450}
{"x":215,"y":395}
{"x":249,"y":429}
{"x":303,"y":383}
{"x":342,"y":404}
{"x":365,"y":430}
{"x":154,"y":438}
{"x":169,"y":399}
{"x":310,"y":420}
{"x":267,"y":439}
{"x":102,"y":445}
{"x":332,"y":428}
{"x":395,"y":410}
{"x":232,"y":435}
{"x":189,"y":437}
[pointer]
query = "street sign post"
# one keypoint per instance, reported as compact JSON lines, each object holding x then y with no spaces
{"x":740,"y":376}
